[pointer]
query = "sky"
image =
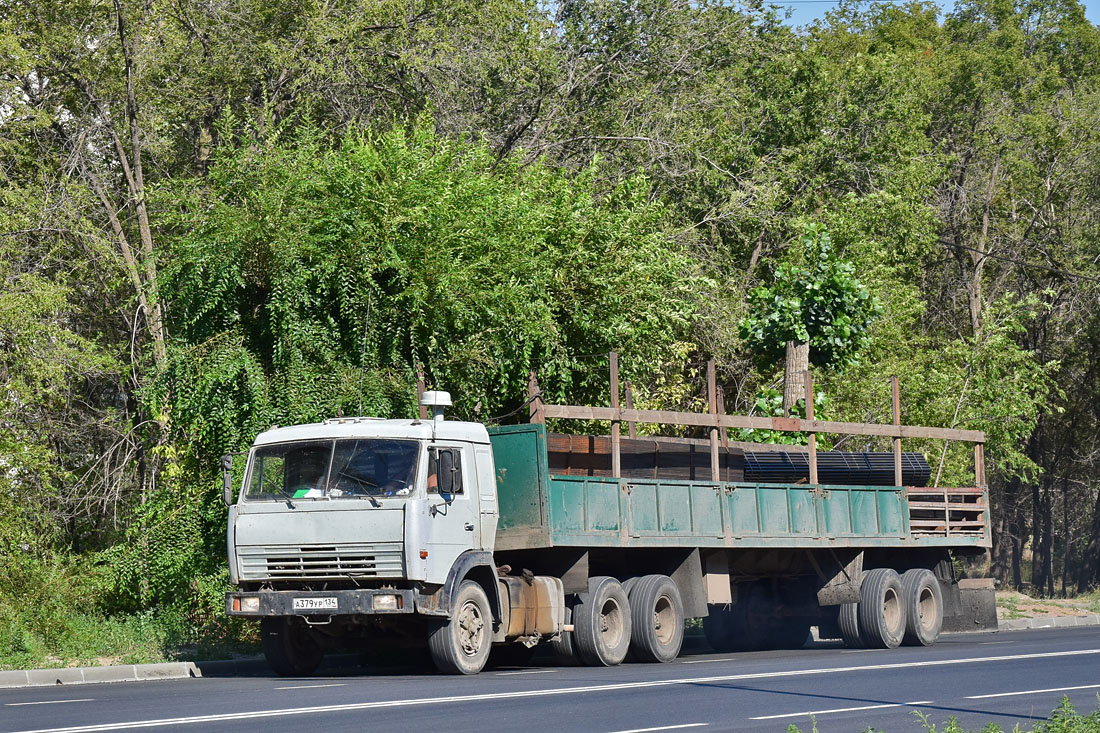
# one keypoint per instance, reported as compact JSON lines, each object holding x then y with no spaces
{"x":806,"y":11}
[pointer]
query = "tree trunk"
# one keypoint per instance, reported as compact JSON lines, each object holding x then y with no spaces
{"x":794,"y":379}
{"x":1019,"y":532}
{"x":1090,"y":558}
{"x":1038,"y":542}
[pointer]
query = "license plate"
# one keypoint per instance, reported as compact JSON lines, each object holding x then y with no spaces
{"x":314,"y":604}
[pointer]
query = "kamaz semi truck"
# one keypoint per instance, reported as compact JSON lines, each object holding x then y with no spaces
{"x":461,"y":538}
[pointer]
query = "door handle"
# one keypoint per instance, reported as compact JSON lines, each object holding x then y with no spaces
{"x":468,"y":527}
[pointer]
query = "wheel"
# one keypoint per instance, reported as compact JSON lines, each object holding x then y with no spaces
{"x":511,"y":655}
{"x":923,"y":599}
{"x":753,"y":619}
{"x":601,"y":623}
{"x":790,"y":633}
{"x":460,"y":645}
{"x":746,"y":626}
{"x":562,"y":649}
{"x":290,"y":647}
{"x":656,"y":619}
{"x":717,"y":629}
{"x":881,"y":610}
{"x":848,"y":621}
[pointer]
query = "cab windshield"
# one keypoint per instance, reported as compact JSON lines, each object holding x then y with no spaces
{"x":333,"y":469}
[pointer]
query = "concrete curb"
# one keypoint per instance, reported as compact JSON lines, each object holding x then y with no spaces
{"x":1048,"y":622}
{"x":89,"y":675}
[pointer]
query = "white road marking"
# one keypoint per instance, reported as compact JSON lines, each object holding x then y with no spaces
{"x":526,"y":671}
{"x":859,"y":651}
{"x":707,"y":661}
{"x":312,"y":687}
{"x":1032,"y":692}
{"x":46,"y":702}
{"x":520,"y":694}
{"x":843,"y":710}
{"x":664,"y":727}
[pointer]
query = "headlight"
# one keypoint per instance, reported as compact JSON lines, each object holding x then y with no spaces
{"x":250,"y":604}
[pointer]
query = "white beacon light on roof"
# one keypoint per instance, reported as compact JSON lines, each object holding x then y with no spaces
{"x":437,"y":401}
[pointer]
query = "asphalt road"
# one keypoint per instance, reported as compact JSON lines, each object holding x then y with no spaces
{"x":1005,"y":678}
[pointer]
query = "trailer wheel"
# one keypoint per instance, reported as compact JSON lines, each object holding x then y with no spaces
{"x":562,"y":649}
{"x":514,"y":654}
{"x":788,"y":633}
{"x":881,"y":609}
{"x":923,"y":605}
{"x":848,"y":621}
{"x":656,"y":619}
{"x":289,"y":647}
{"x":601,"y":623}
{"x":717,"y":629}
{"x":460,"y":645}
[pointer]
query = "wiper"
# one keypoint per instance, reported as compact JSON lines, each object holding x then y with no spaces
{"x":363,"y":482}
{"x":286,"y":495}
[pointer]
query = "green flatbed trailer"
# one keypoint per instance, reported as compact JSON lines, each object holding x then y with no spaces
{"x":541,"y":510}
{"x":761,"y":562}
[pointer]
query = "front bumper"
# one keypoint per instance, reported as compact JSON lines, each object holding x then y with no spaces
{"x":361,"y":602}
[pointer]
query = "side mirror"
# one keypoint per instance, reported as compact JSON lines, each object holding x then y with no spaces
{"x":447,"y":475}
{"x":227,"y":479}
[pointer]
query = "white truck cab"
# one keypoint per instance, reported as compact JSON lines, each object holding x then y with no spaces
{"x":344,"y":523}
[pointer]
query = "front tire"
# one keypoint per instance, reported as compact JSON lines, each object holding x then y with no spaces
{"x":461,"y":644}
{"x":601,"y":623}
{"x":656,"y":619}
{"x":290,"y":647}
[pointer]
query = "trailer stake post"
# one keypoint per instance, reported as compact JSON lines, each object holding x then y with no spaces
{"x":896,"y":389}
{"x":534,"y":400}
{"x":616,"y":458}
{"x":712,"y":405}
{"x":812,"y":438}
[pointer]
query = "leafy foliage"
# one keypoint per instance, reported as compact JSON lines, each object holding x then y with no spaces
{"x":818,"y":301}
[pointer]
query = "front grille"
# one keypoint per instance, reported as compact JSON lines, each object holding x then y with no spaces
{"x":320,"y":562}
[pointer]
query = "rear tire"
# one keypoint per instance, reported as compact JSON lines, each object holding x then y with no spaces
{"x":290,"y":647}
{"x":460,"y":645}
{"x":601,"y":623}
{"x":718,"y":630}
{"x":923,"y":600}
{"x":562,"y":649}
{"x":656,"y":619}
{"x":881,"y":609}
{"x":788,"y":633}
{"x":513,"y":654}
{"x":848,"y":621}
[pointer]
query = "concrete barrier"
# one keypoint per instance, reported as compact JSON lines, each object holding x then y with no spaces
{"x":89,"y":675}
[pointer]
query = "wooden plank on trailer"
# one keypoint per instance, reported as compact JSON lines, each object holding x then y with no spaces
{"x":952,"y":505}
{"x":670,"y":417}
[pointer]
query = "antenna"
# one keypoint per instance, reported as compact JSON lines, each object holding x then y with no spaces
{"x":363,"y":355}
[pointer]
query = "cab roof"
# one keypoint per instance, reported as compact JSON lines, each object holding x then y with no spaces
{"x":372,"y":427}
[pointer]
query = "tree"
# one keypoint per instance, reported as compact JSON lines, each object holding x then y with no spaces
{"x":814,"y":312}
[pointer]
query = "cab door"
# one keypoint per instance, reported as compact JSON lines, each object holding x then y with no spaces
{"x":454,"y":521}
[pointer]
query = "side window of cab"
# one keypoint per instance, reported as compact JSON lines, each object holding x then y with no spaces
{"x":445,"y":471}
